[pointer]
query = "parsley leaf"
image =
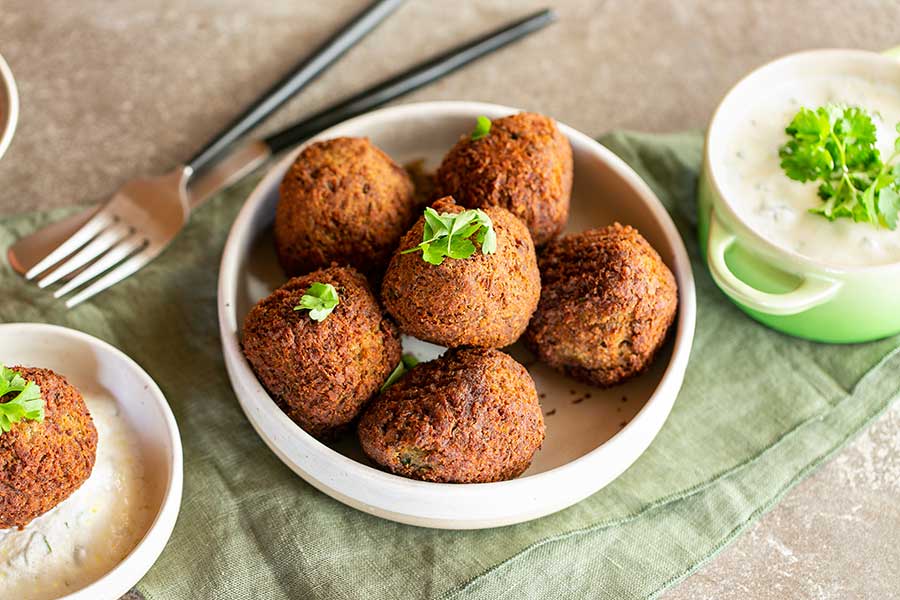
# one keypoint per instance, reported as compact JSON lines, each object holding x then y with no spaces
{"x":407,"y":362}
{"x":450,"y":235}
{"x":482,"y":128}
{"x":320,"y":299}
{"x":26,"y":404}
{"x":835,"y":145}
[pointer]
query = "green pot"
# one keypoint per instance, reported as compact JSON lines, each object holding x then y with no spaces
{"x":784,"y":290}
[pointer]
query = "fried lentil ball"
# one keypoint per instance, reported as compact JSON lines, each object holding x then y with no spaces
{"x":524,"y":165}
{"x":321,"y":373}
{"x":606,"y":305}
{"x":343,"y":201}
{"x":470,"y":416}
{"x":42,"y":463}
{"x":485,"y":300}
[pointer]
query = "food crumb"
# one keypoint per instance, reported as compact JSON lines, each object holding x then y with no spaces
{"x":572,"y":392}
{"x":579,"y":400}
{"x":550,"y":412}
{"x":623,"y":424}
{"x":624,"y":398}
{"x":542,"y":395}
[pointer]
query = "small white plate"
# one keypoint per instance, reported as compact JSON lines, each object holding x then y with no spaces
{"x":91,"y":364}
{"x":593,"y":435}
{"x":9,"y":106}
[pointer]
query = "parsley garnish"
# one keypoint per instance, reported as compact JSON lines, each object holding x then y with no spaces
{"x":407,"y":362}
{"x":320,"y":299}
{"x":482,"y":128}
{"x":448,"y":234}
{"x":836,"y":146}
{"x":26,"y":404}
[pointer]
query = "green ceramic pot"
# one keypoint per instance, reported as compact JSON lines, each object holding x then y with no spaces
{"x":784,"y":290}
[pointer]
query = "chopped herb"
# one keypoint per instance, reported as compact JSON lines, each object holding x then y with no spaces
{"x":451,"y":234}
{"x":482,"y":128}
{"x":407,"y":362}
{"x":26,"y":404}
{"x":320,"y":299}
{"x":835,"y":145}
{"x":47,"y":543}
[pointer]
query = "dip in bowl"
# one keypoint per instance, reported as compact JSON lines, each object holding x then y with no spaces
{"x":795,"y":271}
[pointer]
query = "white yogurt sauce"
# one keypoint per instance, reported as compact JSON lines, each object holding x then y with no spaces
{"x":91,"y":531}
{"x":777,"y":207}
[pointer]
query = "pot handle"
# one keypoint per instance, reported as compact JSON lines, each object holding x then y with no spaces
{"x":811,"y":292}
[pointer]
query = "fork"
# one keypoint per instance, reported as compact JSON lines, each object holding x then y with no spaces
{"x":103,"y":239}
{"x":146,"y":214}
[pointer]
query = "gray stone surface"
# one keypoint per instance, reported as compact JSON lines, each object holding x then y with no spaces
{"x":112,"y":90}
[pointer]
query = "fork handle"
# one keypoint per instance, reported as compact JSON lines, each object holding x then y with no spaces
{"x":298,"y":78}
{"x":410,"y":80}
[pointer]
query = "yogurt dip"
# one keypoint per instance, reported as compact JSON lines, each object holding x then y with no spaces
{"x":777,"y":207}
{"x":90,"y":532}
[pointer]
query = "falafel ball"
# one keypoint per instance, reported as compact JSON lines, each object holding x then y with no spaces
{"x":606,"y":305}
{"x":524,"y":164}
{"x":43,"y":462}
{"x":343,"y":201}
{"x":321,"y":373}
{"x":470,"y":416}
{"x":484,"y":300}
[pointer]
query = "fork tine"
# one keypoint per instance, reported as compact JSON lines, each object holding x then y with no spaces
{"x":123,"y":270}
{"x":88,"y":231}
{"x":105,"y":240}
{"x":116,"y":254}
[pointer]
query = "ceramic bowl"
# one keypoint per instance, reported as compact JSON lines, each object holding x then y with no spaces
{"x":592,"y":435}
{"x":9,"y":106}
{"x":93,"y":365}
{"x":784,"y":290}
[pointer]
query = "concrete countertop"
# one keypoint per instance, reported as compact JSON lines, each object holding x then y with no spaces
{"x":113,"y":90}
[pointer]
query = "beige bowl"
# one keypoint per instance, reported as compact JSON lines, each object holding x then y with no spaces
{"x":592,"y":436}
{"x":99,"y":369}
{"x":9,"y":106}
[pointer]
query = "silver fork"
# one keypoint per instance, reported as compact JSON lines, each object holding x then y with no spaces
{"x":146,"y":214}
{"x":129,"y":231}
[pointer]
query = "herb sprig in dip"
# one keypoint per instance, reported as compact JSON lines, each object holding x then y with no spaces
{"x":835,"y":145}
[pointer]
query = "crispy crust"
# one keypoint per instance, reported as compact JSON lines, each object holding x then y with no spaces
{"x":321,"y":373}
{"x":470,"y":416}
{"x":343,"y":201}
{"x":523,"y":165}
{"x":483,"y":300}
{"x":41,"y":464}
{"x":606,"y":305}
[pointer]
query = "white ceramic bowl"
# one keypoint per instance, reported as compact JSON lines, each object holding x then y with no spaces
{"x":587,"y":445}
{"x":89,"y":363}
{"x":9,"y":106}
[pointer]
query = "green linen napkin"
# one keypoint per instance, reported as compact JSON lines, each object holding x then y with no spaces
{"x":758,"y":412}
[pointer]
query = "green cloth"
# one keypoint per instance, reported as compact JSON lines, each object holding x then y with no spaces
{"x":758,"y":412}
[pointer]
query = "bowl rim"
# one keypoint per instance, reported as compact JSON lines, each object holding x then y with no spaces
{"x":710,"y":162}
{"x":672,"y":375}
{"x":127,"y":572}
{"x":11,"y":93}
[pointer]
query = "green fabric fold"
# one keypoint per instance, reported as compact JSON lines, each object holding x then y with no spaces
{"x":757,"y":413}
